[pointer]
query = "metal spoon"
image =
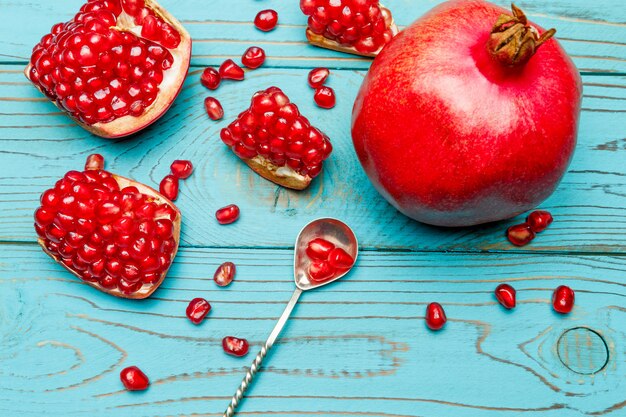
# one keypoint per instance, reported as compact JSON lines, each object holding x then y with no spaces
{"x":330,"y":229}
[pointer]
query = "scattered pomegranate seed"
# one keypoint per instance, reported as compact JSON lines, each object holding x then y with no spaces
{"x":224,"y":274}
{"x":318,"y":76}
{"x":505,"y":294}
{"x":320,"y":271}
{"x":563,"y":299}
{"x":235,"y":346}
{"x":210,"y":78}
{"x":520,"y":234}
{"x":228,"y":214}
{"x":318,"y":249}
{"x":254,"y":57}
{"x":169,"y":187}
{"x":539,"y":220}
{"x":229,"y":70}
{"x":435,"y":316}
{"x":94,"y":161}
{"x":213,"y":108}
{"x":181,"y":168}
{"x":340,"y":259}
{"x":324,"y":97}
{"x":197,"y":310}
{"x":134,"y":379}
{"x":266,"y":20}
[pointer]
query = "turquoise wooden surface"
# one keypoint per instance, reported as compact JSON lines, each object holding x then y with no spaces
{"x":358,"y":347}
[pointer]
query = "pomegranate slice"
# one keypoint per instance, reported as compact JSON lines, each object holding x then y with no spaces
{"x":116,"y":234}
{"x":276,"y":141}
{"x":359,"y":27}
{"x":115,"y":68}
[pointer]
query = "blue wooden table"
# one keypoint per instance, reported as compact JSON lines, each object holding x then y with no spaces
{"x":358,"y":347}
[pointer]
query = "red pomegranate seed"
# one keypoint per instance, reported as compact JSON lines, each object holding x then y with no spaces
{"x":224,"y":274}
{"x":210,"y":78}
{"x":181,"y":168}
{"x":266,"y":20}
{"x":520,"y":234}
{"x":320,"y":271}
{"x":505,"y":294}
{"x":318,"y":249}
{"x":94,"y":161}
{"x":563,"y":299}
{"x":435,"y":316}
{"x":253,"y":57}
{"x":197,"y":310}
{"x":235,"y":346}
{"x":134,"y":379}
{"x":340,"y":259}
{"x":324,"y":97}
{"x":539,"y":220}
{"x":228,"y":214}
{"x":231,"y":71}
{"x":169,"y":187}
{"x":213,"y":108}
{"x":318,"y":76}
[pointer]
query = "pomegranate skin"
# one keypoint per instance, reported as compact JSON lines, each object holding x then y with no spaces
{"x":452,"y":137}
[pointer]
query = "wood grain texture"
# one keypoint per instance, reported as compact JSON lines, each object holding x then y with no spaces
{"x":357,"y":347}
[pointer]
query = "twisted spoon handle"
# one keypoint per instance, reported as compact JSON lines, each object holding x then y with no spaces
{"x":256,"y":364}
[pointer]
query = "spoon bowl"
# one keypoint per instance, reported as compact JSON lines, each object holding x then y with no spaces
{"x":334,"y":231}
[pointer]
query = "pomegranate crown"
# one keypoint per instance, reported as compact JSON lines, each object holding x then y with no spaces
{"x":513,"y":41}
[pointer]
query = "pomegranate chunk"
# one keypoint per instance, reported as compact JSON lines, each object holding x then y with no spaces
{"x":253,"y":57}
{"x":197,"y":310}
{"x":213,"y":108}
{"x":228,"y":214}
{"x":520,"y":234}
{"x":181,"y":168}
{"x":360,"y":27}
{"x":318,"y":76}
{"x":505,"y":294}
{"x":134,"y":379}
{"x":276,"y":141}
{"x":539,"y":220}
{"x":235,"y":346}
{"x":563,"y":299}
{"x":224,"y":274}
{"x":115,"y":68}
{"x":435,"y":316}
{"x":266,"y":20}
{"x":231,"y":71}
{"x":210,"y":78}
{"x":324,"y":97}
{"x":169,"y":187}
{"x":116,"y":234}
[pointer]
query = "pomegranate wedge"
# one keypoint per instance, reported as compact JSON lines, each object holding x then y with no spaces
{"x":359,"y":27}
{"x":115,"y":68}
{"x":276,"y":141}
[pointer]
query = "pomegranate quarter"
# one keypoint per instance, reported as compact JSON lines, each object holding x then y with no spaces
{"x":469,"y":116}
{"x":115,"y":68}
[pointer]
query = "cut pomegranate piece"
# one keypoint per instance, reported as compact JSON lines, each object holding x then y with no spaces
{"x":197,"y":310}
{"x":253,"y":57}
{"x":520,"y":234}
{"x":134,"y":379}
{"x":324,"y":97}
{"x":115,"y":68}
{"x":94,"y":161}
{"x":320,"y":271}
{"x":228,"y":214}
{"x":340,"y":259}
{"x":224,"y":274}
{"x":231,"y":71}
{"x":539,"y":220}
{"x":210,"y":78}
{"x":360,"y":27}
{"x":563,"y":299}
{"x":116,"y":234}
{"x":213,"y":108}
{"x":318,"y":249}
{"x":181,"y":168}
{"x":276,"y":141}
{"x":505,"y":294}
{"x":435,"y":316}
{"x":169,"y":187}
{"x":318,"y":76}
{"x":235,"y":346}
{"x":266,"y":20}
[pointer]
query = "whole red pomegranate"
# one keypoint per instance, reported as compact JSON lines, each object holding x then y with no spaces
{"x":468,"y":116}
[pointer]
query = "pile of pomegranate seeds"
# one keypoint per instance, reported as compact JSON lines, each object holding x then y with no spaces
{"x":224,"y":274}
{"x":229,"y":70}
{"x":228,"y":214}
{"x":134,"y":379}
{"x":326,"y":260}
{"x":180,"y":169}
{"x":435,"y":316}
{"x":235,"y":346}
{"x":266,"y":20}
{"x":114,"y":236}
{"x":254,"y":57}
{"x":536,"y":222}
{"x":360,"y":26}
{"x":274,"y":134}
{"x":318,"y":76}
{"x":197,"y":310}
{"x":98,"y":70}
{"x":563,"y":299}
{"x":213,"y":108}
{"x":505,"y":294}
